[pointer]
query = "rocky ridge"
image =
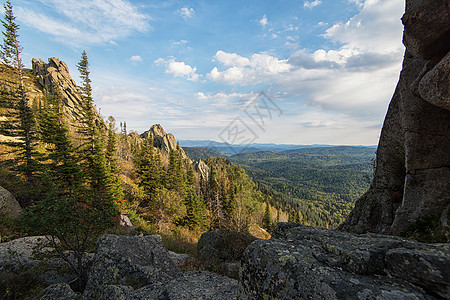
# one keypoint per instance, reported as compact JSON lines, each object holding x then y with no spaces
{"x":56,"y":73}
{"x":302,"y":262}
{"x":162,"y":140}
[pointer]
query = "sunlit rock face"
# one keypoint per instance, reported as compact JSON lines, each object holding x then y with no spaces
{"x":55,"y":74}
{"x":412,"y":178}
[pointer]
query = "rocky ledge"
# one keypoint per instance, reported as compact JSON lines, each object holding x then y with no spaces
{"x":302,"y":262}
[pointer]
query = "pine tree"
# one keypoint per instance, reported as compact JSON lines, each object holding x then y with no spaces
{"x":91,"y":131}
{"x":267,"y":220}
{"x":21,"y":118}
{"x":60,"y":162}
{"x":114,"y":185}
{"x":148,"y":166}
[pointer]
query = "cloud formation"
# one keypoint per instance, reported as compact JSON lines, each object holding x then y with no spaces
{"x":247,"y":70}
{"x":186,"y":12}
{"x":136,"y":58}
{"x":263,"y":21}
{"x":78,"y":22}
{"x":179,"y":69}
{"x":311,"y":4}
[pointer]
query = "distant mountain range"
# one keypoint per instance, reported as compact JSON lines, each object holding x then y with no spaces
{"x":231,"y":149}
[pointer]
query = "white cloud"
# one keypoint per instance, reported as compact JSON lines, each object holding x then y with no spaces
{"x":356,"y":79}
{"x":243,"y":70}
{"x":263,"y":21}
{"x":178,"y":43}
{"x":136,"y":58}
{"x":311,"y":4}
{"x":377,"y":27}
{"x":85,"y":22}
{"x":179,"y":69}
{"x":186,"y":12}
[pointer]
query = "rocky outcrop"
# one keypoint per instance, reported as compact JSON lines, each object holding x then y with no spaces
{"x":202,"y":169}
{"x":411,"y":181}
{"x":56,"y":73}
{"x":19,"y":255}
{"x":162,"y":140}
{"x":59,"y":291}
{"x":223,"y":245}
{"x":8,"y":204}
{"x":302,"y":262}
{"x":192,"y":285}
{"x":221,"y":250}
{"x":135,"y":261}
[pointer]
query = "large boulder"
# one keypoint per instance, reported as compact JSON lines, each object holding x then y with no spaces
{"x":20,"y":254}
{"x":134,"y":261}
{"x":223,"y":245}
{"x":8,"y":204}
{"x":60,"y":291}
{"x":411,"y":182}
{"x":192,"y":285}
{"x":302,"y":262}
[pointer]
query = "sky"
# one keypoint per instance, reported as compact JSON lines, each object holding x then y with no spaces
{"x":263,"y":71}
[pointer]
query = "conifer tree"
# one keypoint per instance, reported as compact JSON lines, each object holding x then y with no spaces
{"x":148,"y":166}
{"x":60,"y":162}
{"x":114,"y":186}
{"x":90,"y":129}
{"x":267,"y":220}
{"x":21,"y":118}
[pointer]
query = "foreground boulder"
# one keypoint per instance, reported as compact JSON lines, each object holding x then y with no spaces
{"x":60,"y":291}
{"x":8,"y":204}
{"x":221,"y":250}
{"x":302,"y":262}
{"x":411,"y":182}
{"x":223,"y":245}
{"x":192,"y":285}
{"x":134,"y":261}
{"x":18,"y":256}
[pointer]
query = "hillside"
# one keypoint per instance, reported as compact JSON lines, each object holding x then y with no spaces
{"x":328,"y":180}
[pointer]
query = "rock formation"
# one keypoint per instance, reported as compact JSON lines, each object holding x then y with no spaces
{"x":412,"y":177}
{"x":302,"y":262}
{"x":136,"y":267}
{"x":202,"y":169}
{"x":56,"y":72}
{"x":8,"y":204}
{"x":162,"y":140}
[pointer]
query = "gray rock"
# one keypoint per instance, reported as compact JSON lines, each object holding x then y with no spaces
{"x":178,"y":258}
{"x":20,"y":254}
{"x":302,"y":262}
{"x":413,"y":157}
{"x":56,"y":73}
{"x":115,"y":292}
{"x":60,"y":291}
{"x":202,"y":168}
{"x":223,"y":245}
{"x":125,"y":221}
{"x":162,"y":140}
{"x":8,"y":204}
{"x":192,"y":285}
{"x":134,"y":261}
{"x":428,"y":267}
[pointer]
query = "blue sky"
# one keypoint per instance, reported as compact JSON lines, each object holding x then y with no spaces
{"x":329,"y":67}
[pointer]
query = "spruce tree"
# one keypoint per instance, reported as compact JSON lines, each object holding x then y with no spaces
{"x":61,"y":165}
{"x":91,"y":132}
{"x":21,"y":118}
{"x":148,"y":166}
{"x":114,"y":186}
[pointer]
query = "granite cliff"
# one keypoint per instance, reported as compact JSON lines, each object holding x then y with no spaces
{"x":412,"y":177}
